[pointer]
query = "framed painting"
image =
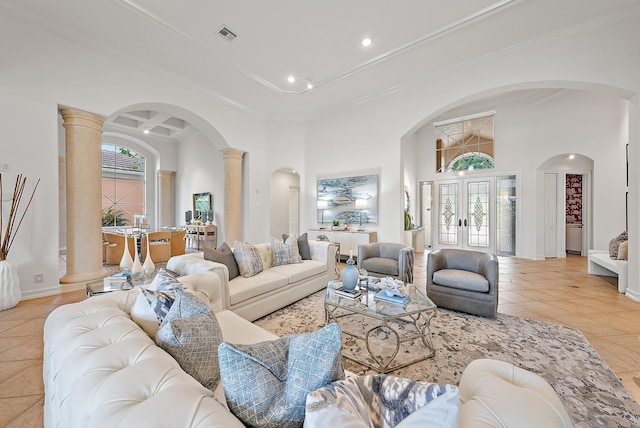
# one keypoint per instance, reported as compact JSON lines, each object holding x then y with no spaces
{"x":350,"y":199}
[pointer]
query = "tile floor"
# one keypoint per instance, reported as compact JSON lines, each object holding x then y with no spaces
{"x":555,"y":290}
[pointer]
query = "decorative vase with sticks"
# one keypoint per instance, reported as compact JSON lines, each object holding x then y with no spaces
{"x":10,"y":292}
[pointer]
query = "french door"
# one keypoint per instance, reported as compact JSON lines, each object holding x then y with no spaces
{"x":466,"y":213}
{"x":476,"y":213}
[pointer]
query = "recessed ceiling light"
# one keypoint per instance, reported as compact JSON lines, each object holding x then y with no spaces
{"x":309,"y":84}
{"x":572,"y":156}
{"x":291,"y":79}
{"x":366,"y":42}
{"x":146,"y":130}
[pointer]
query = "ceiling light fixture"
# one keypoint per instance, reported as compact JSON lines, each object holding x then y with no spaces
{"x":146,"y":130}
{"x":309,"y":84}
{"x":291,"y":79}
{"x":366,"y":42}
{"x":572,"y":156}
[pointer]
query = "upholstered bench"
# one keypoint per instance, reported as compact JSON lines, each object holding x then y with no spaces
{"x":601,"y":264}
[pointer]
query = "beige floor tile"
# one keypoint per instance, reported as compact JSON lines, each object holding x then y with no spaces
{"x":13,"y":407}
{"x":24,"y":383}
{"x":33,"y":417}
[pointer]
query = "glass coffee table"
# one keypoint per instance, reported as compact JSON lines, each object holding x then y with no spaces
{"x":108,"y":284}
{"x":384,"y":327}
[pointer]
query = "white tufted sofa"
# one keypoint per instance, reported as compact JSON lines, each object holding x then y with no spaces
{"x":102,"y":370}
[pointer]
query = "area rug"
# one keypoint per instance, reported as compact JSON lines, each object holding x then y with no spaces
{"x":590,"y":391}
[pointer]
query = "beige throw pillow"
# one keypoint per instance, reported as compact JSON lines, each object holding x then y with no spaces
{"x":623,"y":250}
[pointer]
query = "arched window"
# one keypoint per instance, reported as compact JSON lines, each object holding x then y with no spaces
{"x":465,"y":143}
{"x":123,"y":185}
{"x":471,"y":161}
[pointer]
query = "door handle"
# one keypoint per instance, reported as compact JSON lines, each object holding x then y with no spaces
{"x":459,"y":222}
{"x":465,"y":222}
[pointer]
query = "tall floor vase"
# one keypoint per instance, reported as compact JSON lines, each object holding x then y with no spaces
{"x":148,"y":266}
{"x":126,"y":262}
{"x":136,"y":268}
{"x":10,"y":292}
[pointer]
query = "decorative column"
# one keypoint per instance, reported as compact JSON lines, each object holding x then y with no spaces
{"x":83,"y":133}
{"x":166,"y":208}
{"x":232,"y":194}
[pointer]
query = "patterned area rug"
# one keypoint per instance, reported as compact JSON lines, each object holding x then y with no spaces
{"x":591,"y":393}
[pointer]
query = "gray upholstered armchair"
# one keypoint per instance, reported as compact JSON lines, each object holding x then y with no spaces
{"x":463,"y":280}
{"x":387,"y":259}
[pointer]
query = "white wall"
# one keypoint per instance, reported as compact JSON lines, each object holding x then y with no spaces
{"x":38,"y":73}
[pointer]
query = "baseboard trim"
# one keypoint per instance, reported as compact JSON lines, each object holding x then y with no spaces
{"x":40,"y":293}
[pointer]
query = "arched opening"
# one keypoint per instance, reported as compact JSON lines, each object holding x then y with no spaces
{"x":157,"y":156}
{"x":568,"y":192}
{"x":536,"y":122}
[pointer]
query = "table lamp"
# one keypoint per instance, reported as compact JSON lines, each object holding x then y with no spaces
{"x":361,"y":204}
{"x":322,"y":205}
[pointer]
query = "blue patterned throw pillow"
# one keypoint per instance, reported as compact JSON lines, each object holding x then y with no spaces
{"x":383,"y":401}
{"x":190,"y":333}
{"x":266,"y":384}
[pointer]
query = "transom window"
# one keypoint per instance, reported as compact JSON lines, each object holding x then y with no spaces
{"x":123,"y":184}
{"x":464,"y":144}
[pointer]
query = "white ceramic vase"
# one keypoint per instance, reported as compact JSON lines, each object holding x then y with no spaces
{"x":148,"y":265}
{"x":10,"y":292}
{"x":136,"y":268}
{"x":126,"y":262}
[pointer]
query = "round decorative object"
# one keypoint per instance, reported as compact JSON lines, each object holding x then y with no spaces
{"x":10,"y":293}
{"x":350,"y":276}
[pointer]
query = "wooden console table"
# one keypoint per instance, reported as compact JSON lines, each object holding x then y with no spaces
{"x":205,"y":234}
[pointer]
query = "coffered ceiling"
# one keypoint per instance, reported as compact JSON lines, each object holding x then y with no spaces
{"x":316,"y":41}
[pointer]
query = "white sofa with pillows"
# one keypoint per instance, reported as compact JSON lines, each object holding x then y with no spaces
{"x":269,"y":280}
{"x":103,"y":369}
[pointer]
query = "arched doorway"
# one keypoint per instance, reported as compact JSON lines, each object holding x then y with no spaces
{"x":567,"y":204}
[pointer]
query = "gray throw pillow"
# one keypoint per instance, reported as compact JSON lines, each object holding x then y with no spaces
{"x":614,"y":244}
{"x":248,"y":259}
{"x":190,"y":333}
{"x":225,"y":256}
{"x":266,"y":384}
{"x":303,"y":245}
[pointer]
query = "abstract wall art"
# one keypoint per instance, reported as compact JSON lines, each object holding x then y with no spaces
{"x":341,"y":195}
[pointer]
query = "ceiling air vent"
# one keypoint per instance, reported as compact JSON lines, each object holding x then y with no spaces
{"x":226,"y":33}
